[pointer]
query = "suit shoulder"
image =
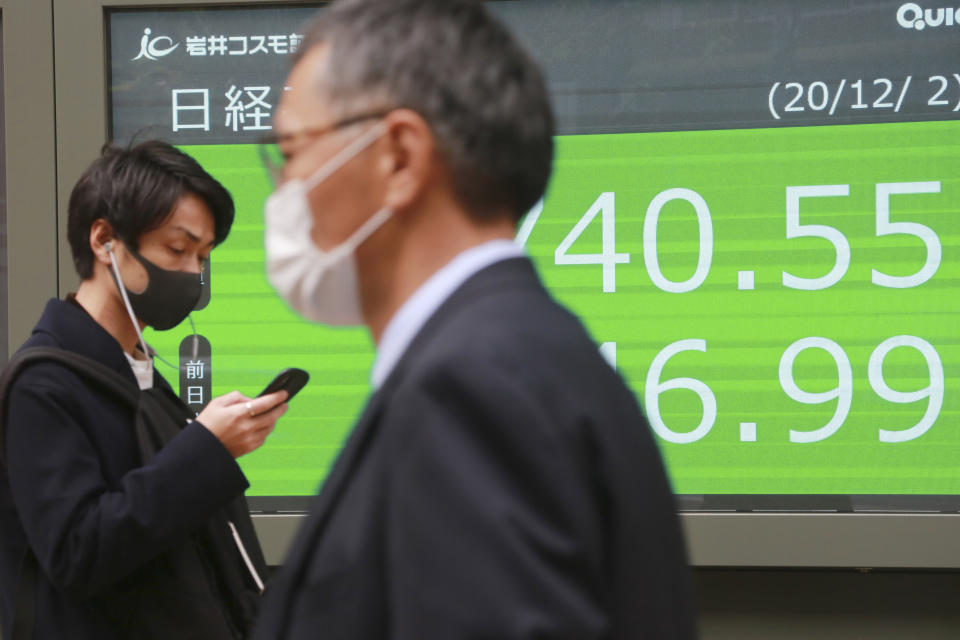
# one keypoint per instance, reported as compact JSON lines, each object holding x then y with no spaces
{"x":524,"y":333}
{"x":523,"y":341}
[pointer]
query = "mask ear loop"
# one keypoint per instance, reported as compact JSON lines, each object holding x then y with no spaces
{"x":346,"y":154}
{"x":147,"y":349}
{"x":163,"y":360}
{"x":126,"y":301}
{"x":196,"y":347}
{"x":196,"y":338}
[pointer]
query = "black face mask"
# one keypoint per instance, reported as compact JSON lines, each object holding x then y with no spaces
{"x":170,"y":296}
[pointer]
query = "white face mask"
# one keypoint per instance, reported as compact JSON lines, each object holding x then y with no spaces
{"x":319,"y":285}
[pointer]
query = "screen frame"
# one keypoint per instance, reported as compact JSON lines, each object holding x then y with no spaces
{"x":720,"y":538}
{"x":28,"y":96}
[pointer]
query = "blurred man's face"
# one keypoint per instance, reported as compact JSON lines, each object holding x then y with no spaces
{"x":304,"y":124}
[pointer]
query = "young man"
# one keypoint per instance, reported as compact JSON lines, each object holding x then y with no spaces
{"x":502,"y":482}
{"x":88,"y":528}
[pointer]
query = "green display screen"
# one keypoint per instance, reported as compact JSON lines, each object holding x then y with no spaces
{"x":783,"y":302}
{"x":755,"y":211}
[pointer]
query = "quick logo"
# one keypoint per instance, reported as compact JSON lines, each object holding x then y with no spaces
{"x":912,"y":16}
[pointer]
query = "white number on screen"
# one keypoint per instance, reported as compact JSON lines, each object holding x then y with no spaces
{"x":935,"y":100}
{"x":609,"y":258}
{"x":843,"y":392}
{"x":932,"y":392}
{"x":529,"y":222}
{"x":654,"y":388}
{"x":797,"y":230}
{"x":650,"y":250}
{"x":926,"y":234}
{"x":609,"y":352}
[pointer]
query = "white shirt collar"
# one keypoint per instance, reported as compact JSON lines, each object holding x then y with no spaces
{"x":410,"y":318}
{"x":142,"y":370}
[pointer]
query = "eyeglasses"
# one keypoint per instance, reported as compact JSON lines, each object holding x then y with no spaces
{"x":272,"y":146}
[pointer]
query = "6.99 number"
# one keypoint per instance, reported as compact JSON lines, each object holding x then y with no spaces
{"x":842,"y":393}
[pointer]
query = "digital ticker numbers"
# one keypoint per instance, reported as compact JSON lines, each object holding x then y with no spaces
{"x":742,"y":311}
{"x":609,"y":259}
{"x":842,"y":392}
{"x":936,"y":92}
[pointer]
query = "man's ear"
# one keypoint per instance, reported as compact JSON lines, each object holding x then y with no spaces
{"x":101,"y":235}
{"x":409,"y":160}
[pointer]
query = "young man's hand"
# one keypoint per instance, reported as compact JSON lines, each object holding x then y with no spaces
{"x":240,"y":423}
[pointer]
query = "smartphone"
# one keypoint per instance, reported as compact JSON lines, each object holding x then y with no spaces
{"x":289,"y":380}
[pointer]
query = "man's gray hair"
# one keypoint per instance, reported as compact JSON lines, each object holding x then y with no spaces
{"x":457,"y":66}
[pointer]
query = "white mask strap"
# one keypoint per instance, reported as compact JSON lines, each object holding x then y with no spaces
{"x":345,"y":155}
{"x":196,"y":340}
{"x":365,"y":230}
{"x":126,"y":301}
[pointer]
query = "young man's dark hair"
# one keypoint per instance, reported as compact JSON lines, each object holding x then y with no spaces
{"x":134,"y":190}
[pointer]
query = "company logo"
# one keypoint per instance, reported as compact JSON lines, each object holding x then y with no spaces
{"x":913,"y":16}
{"x":150,"y":47}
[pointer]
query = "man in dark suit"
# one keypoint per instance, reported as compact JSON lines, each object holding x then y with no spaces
{"x":501,"y":482}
